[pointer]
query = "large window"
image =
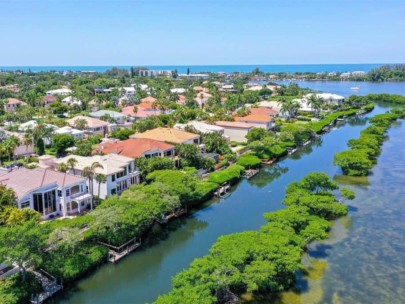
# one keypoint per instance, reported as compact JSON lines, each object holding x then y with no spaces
{"x":38,"y":206}
{"x":25,"y":204}
{"x":74,"y":190}
{"x":50,"y":202}
{"x":122,"y":173}
{"x":122,"y":185}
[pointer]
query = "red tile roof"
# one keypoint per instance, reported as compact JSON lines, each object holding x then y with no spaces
{"x":15,"y":101}
{"x":141,"y":112}
{"x":263,"y":111}
{"x":234,"y":124}
{"x":251,"y":118}
{"x":133,"y":147}
{"x":49,"y":98}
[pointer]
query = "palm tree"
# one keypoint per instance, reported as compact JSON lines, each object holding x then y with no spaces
{"x":89,"y":172}
{"x":72,"y":162}
{"x":315,"y":103}
{"x":10,"y":144}
{"x":28,"y":140}
{"x":62,"y":167}
{"x":2,"y":151}
{"x":100,"y":179}
{"x":289,"y":107}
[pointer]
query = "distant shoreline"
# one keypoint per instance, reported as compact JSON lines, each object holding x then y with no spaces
{"x":267,"y":68}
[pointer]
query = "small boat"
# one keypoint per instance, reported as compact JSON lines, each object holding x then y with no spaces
{"x":355,"y":88}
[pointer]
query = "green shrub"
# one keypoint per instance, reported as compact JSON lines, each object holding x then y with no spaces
{"x":249,"y":161}
{"x":230,"y":174}
{"x":71,"y":266}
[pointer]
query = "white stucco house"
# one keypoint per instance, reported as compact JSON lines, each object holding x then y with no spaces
{"x":201,"y":127}
{"x":49,"y":192}
{"x":234,"y":130}
{"x":60,"y":92}
{"x":120,"y":171}
{"x":77,"y":134}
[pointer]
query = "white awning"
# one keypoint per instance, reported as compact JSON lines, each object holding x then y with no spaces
{"x":82,"y":197}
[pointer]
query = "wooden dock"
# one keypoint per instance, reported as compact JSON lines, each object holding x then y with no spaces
{"x":49,"y":284}
{"x":268,"y":161}
{"x":249,"y":173}
{"x":221,"y":192}
{"x":174,"y":214}
{"x":117,"y":253}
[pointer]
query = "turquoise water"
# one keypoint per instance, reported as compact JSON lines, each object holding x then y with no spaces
{"x":216,"y":68}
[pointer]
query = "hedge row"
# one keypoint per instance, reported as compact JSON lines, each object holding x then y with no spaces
{"x":361,"y":157}
{"x":231,"y":174}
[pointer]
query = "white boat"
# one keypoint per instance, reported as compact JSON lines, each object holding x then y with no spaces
{"x":355,"y":88}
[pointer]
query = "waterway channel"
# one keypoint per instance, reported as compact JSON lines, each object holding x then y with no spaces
{"x":359,"y":243}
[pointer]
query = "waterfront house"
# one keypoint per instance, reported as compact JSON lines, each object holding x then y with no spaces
{"x":303,"y":104}
{"x":195,"y":76}
{"x":151,"y":73}
{"x":234,"y":130}
{"x":12,"y":104}
{"x":328,"y":98}
{"x":358,"y":73}
{"x":94,"y":126}
{"x":136,"y":147}
{"x":345,"y":75}
{"x":120,"y":171}
{"x":257,"y":120}
{"x":264,"y":111}
{"x":49,"y":192}
{"x":169,"y":135}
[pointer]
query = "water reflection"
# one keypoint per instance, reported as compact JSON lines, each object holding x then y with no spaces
{"x":267,"y":175}
{"x":357,"y":121}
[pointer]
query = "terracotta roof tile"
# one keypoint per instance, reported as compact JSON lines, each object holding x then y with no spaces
{"x":167,"y":135}
{"x":254,"y":118}
{"x":234,"y":124}
{"x":133,"y":147}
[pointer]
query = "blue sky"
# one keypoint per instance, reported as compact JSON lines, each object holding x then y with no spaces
{"x":193,"y":32}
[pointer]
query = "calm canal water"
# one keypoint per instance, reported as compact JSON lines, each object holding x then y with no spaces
{"x":363,"y":258}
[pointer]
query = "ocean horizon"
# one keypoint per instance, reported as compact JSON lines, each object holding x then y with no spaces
{"x":268,"y":68}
